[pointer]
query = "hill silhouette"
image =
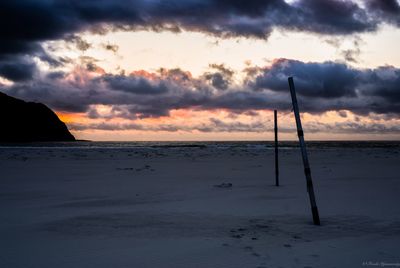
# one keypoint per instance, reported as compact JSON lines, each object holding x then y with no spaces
{"x":22,"y":121}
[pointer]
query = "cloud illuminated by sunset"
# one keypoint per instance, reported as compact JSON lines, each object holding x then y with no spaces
{"x":146,"y":70}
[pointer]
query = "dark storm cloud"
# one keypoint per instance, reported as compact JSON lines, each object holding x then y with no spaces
{"x":258,"y":18}
{"x":134,"y":84}
{"x":383,"y":87}
{"x":17,"y":69}
{"x":331,"y":17}
{"x":334,"y":86}
{"x":314,"y":80}
{"x":26,"y":23}
{"x":388,"y":6}
{"x":385,"y":10}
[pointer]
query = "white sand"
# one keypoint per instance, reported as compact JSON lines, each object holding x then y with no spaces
{"x":139,"y":207}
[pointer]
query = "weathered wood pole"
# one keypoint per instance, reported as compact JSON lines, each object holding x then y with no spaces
{"x":307,"y":170}
{"x":276,"y":148}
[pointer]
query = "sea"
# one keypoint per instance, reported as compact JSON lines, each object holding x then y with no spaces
{"x":249,"y":145}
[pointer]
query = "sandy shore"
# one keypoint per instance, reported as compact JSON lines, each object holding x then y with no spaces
{"x":162,"y":207}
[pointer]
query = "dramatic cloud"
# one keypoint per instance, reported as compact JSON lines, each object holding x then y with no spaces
{"x":385,"y":10}
{"x":17,"y":69}
{"x":81,"y":86}
{"x":334,"y":86}
{"x":26,"y":23}
{"x":314,"y":80}
{"x":321,"y":87}
{"x":134,"y":84}
{"x":382,"y":85}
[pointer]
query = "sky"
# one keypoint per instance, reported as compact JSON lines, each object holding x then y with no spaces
{"x":137,"y":70}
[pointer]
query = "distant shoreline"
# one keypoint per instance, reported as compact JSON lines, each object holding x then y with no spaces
{"x":204,"y":144}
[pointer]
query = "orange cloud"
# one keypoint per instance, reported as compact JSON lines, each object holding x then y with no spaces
{"x":143,"y":73}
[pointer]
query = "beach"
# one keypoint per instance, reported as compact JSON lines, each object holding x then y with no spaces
{"x":198,"y":205}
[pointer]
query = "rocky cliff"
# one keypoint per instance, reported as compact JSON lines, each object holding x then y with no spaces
{"x":22,"y":121}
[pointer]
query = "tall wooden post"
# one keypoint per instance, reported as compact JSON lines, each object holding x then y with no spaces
{"x":276,"y":148}
{"x":306,"y":164}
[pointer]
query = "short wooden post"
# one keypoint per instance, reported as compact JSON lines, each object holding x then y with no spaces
{"x":276,"y":148}
{"x":306,"y":164}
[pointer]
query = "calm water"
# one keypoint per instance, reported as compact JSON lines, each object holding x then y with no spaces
{"x":204,"y":144}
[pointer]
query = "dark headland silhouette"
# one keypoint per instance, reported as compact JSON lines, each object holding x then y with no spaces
{"x":22,"y":121}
